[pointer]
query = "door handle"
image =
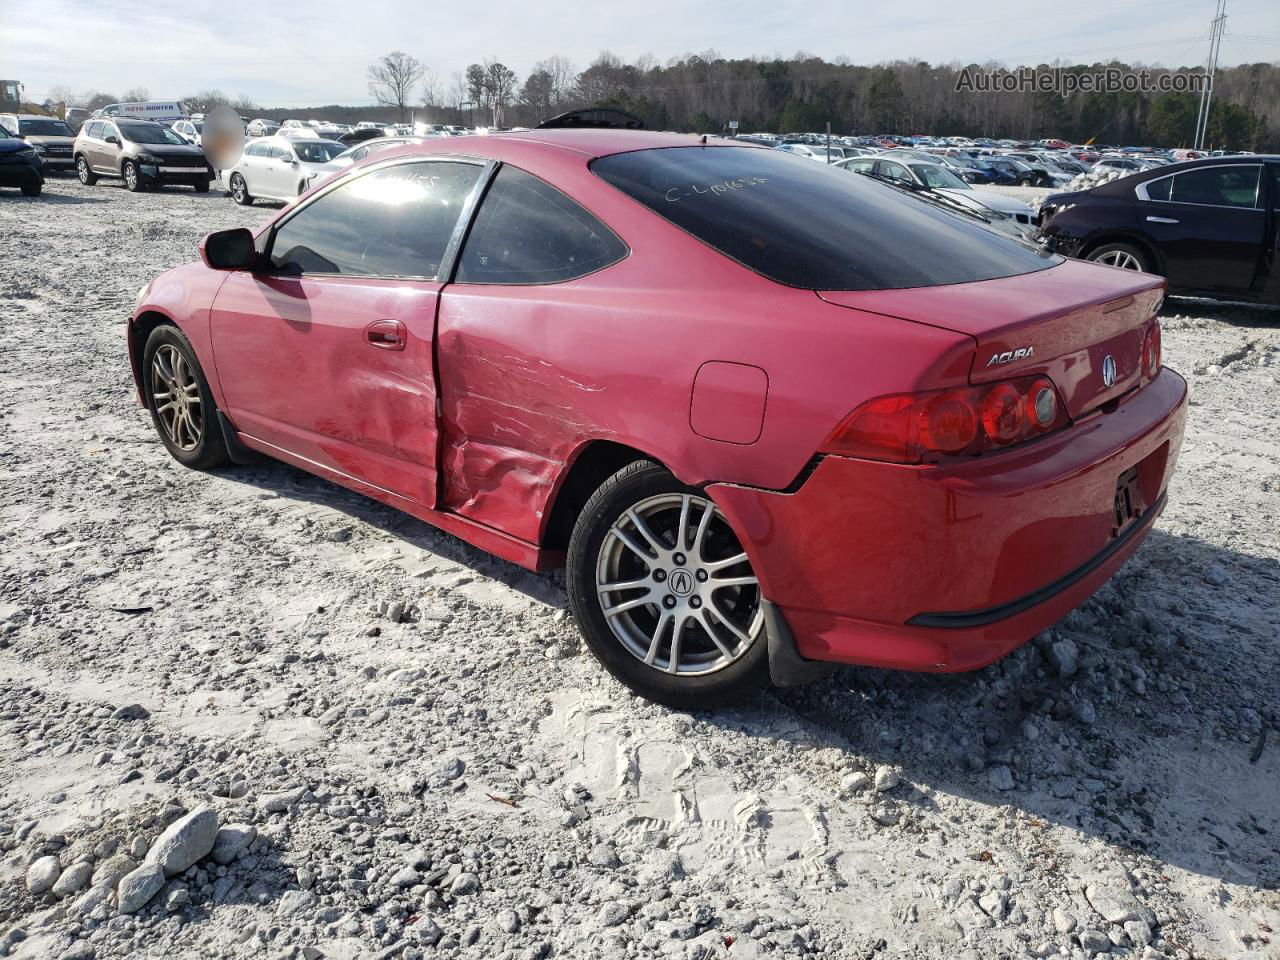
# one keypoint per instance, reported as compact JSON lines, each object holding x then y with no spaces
{"x":386,"y":334}
{"x":1160,"y":220}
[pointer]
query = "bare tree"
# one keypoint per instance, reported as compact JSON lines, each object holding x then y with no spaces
{"x":205,"y":100}
{"x":61,"y":93}
{"x":430,"y":88}
{"x":393,"y":78}
{"x":459,"y":93}
{"x":136,"y":95}
{"x":563,"y":75}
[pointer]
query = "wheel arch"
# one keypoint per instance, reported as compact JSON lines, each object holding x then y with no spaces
{"x":140,"y":328}
{"x":591,"y":464}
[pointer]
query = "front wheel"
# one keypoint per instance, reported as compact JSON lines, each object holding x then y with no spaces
{"x":664,"y":593}
{"x":202,"y":186}
{"x":86,"y":175}
{"x":180,"y":402}
{"x":132,"y":176}
{"x":32,"y":187}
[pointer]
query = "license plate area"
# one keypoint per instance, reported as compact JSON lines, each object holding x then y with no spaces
{"x":1128,"y":502}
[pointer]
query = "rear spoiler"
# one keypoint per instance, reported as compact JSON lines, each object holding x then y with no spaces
{"x":599,"y":118}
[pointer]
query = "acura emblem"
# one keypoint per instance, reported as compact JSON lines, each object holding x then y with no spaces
{"x":681,"y":583}
{"x":1108,"y":370}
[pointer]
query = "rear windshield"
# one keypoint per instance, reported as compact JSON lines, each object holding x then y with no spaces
{"x":810,"y":225}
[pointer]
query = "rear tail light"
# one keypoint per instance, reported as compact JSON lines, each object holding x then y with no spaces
{"x":1151,"y":352}
{"x":915,"y":427}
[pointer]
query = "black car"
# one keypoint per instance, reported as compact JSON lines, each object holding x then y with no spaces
{"x":20,"y":165}
{"x":1209,"y":226}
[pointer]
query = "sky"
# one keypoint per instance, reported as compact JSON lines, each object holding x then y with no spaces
{"x":314,"y":52}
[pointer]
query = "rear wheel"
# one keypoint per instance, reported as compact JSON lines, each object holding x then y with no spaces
{"x":1123,"y":255}
{"x":664,"y":593}
{"x":86,"y":175}
{"x":181,"y":404}
{"x":240,"y":191}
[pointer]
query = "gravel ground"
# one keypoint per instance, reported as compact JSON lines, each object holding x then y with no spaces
{"x":249,"y":714}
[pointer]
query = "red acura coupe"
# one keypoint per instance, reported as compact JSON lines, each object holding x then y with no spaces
{"x":770,"y":415}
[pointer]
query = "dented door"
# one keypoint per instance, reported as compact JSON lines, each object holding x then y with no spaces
{"x":334,"y":369}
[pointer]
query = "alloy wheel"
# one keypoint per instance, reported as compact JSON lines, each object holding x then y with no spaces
{"x":676,"y":587}
{"x":177,"y":397}
{"x":237,"y":188}
{"x":131,"y":176}
{"x":1120,"y":258}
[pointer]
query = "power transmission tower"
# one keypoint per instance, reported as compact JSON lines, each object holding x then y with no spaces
{"x":1206,"y":95}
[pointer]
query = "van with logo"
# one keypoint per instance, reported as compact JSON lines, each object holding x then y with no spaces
{"x":166,"y":111}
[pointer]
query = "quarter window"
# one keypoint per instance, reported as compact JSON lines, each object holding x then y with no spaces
{"x":1218,"y":186}
{"x":394,"y":222}
{"x":527,"y":231}
{"x":1159,"y":189}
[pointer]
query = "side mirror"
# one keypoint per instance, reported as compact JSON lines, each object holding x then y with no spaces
{"x":229,"y":250}
{"x":113,"y":139}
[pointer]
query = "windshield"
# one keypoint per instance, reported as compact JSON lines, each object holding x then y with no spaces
{"x":41,"y":127}
{"x":935,"y":176}
{"x":5,"y":134}
{"x":807,"y":225}
{"x":317,"y":151}
{"x":150,"y":133}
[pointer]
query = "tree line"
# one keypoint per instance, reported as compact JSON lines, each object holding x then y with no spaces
{"x":704,"y":92}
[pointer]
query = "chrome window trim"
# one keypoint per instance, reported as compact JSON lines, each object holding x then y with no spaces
{"x":1140,"y":191}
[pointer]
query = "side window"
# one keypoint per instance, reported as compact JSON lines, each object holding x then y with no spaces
{"x":109,"y":130}
{"x":527,"y":231}
{"x":1274,"y":169}
{"x":1159,"y":189}
{"x":255,"y":149}
{"x":894,"y":171}
{"x":1218,"y":186}
{"x":395,"y":222}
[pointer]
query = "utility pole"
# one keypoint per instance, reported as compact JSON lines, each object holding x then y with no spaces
{"x":1206,"y":95}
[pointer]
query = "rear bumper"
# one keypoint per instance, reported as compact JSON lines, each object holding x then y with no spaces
{"x":950,"y":567}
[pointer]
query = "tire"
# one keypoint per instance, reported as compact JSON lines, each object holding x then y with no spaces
{"x":716,"y":663}
{"x":32,"y":187}
{"x":240,"y":191}
{"x":83,"y":171}
{"x":1123,"y":255}
{"x":202,"y":187}
{"x":170,"y":371}
{"x":132,"y":177}
{"x":1025,"y":181}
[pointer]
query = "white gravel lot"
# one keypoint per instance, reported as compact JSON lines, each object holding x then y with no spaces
{"x":454,"y":776}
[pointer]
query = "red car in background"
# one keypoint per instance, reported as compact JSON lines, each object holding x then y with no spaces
{"x":768,"y":414}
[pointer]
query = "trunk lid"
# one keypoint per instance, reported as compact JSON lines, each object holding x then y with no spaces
{"x":1062,"y":322}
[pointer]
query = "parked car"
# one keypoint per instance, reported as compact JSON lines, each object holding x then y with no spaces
{"x":279,"y":168}
{"x":1209,"y":226}
{"x":190,"y":130}
{"x":357,"y":153}
{"x":51,"y":137}
{"x":20,"y":164}
{"x":920,"y":174}
{"x":1043,"y":172}
{"x":261,"y":127}
{"x":801,"y":417}
{"x":810,"y":152}
{"x":143,"y":153}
